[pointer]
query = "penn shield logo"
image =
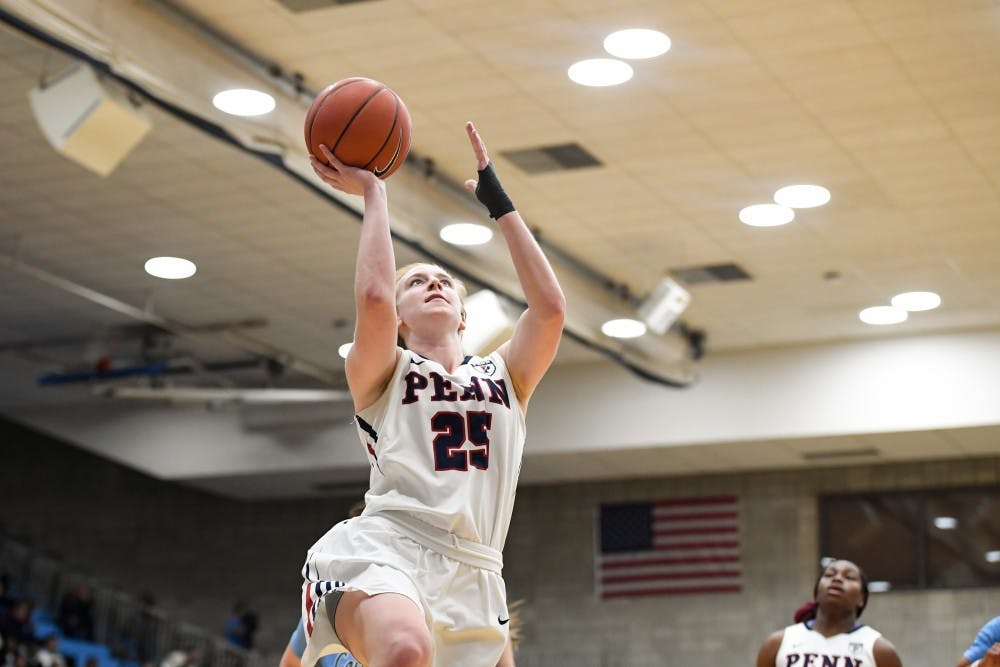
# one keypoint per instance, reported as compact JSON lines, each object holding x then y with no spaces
{"x":486,"y":367}
{"x":395,"y":156}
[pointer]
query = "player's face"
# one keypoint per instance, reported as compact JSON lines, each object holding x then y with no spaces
{"x":428,"y":290}
{"x":841,"y":583}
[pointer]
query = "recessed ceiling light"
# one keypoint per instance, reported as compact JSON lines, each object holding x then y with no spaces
{"x":945,"y":522}
{"x":600,"y":72}
{"x":171,"y":268}
{"x":916,"y":301}
{"x":883,"y":315}
{"x":802,"y":196}
{"x":466,"y":233}
{"x":993,"y":556}
{"x":344,"y":349}
{"x":766,"y":215}
{"x":637,"y":43}
{"x":623,"y":328}
{"x":879,"y":586}
{"x":243,"y":102}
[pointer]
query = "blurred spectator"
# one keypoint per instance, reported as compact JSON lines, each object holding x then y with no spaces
{"x":17,"y":623}
{"x":13,"y":653}
{"x":76,"y":613}
{"x":241,"y":626}
{"x":146,"y":640}
{"x":48,"y":654}
{"x":188,"y":657}
{"x":6,"y":595}
{"x":250,"y":626}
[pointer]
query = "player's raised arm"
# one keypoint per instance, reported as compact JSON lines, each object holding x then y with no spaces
{"x":530,"y":350}
{"x":373,"y":355}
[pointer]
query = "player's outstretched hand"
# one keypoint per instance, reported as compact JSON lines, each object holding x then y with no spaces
{"x":345,"y":178}
{"x":479,"y":148}
{"x":488,"y":189}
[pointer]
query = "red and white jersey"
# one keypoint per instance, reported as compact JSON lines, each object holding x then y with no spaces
{"x":446,"y":448}
{"x":802,"y":646}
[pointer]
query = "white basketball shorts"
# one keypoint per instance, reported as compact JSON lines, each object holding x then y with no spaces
{"x":457,"y":584}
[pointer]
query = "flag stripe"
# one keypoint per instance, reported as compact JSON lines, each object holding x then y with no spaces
{"x":660,"y":576}
{"x":667,"y":560}
{"x":668,"y":544}
{"x":678,"y":590}
{"x":669,"y":547}
{"x":695,"y":516}
{"x":704,"y":530}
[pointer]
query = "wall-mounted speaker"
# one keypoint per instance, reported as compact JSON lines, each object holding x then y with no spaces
{"x":88,"y":120}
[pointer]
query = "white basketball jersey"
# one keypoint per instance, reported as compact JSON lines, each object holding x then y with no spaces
{"x":446,"y":447}
{"x":804,"y":647}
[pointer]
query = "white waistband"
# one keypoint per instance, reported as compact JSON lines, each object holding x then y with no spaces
{"x":465,"y":551}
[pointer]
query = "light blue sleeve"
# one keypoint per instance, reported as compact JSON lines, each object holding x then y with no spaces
{"x":298,"y":640}
{"x":987,"y":637}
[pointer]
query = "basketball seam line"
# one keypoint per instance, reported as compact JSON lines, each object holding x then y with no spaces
{"x":315,"y":110}
{"x":355,"y":115}
{"x":392,"y":128}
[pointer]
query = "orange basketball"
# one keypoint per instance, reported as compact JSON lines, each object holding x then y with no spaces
{"x":363,"y":122}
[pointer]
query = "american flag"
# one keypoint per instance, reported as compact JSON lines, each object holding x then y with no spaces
{"x":669,"y":547}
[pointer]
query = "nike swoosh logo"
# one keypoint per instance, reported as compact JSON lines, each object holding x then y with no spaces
{"x":503,"y":621}
{"x":378,"y":172}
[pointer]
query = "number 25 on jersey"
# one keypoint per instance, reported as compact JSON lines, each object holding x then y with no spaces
{"x":453,"y":430}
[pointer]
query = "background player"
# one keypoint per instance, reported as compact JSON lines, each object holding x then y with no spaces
{"x":830,"y":629}
{"x":987,"y":638}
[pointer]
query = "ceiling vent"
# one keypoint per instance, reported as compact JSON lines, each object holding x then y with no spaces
{"x":559,"y":157}
{"x":711,"y":273}
{"x":833,"y":454}
{"x":299,"y":6}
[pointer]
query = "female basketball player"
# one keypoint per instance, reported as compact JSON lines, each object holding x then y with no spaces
{"x":829,"y":632}
{"x":416,"y":579}
{"x":986,"y":643}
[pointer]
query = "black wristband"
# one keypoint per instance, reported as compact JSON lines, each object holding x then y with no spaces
{"x":491,"y":193}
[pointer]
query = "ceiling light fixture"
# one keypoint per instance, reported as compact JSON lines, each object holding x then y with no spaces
{"x":766,"y":215}
{"x":916,"y":301}
{"x":598,"y":72}
{"x":879,"y":315}
{"x":945,"y":522}
{"x":170,"y":268}
{"x":992,"y":556}
{"x":466,"y":233}
{"x":879,"y":586}
{"x":244,"y":102}
{"x":623,"y":328}
{"x":802,"y":196}
{"x":637,"y":43}
{"x":344,"y":349}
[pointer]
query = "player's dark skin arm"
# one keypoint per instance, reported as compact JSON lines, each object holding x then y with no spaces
{"x":885,"y":654}
{"x":768,"y":652}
